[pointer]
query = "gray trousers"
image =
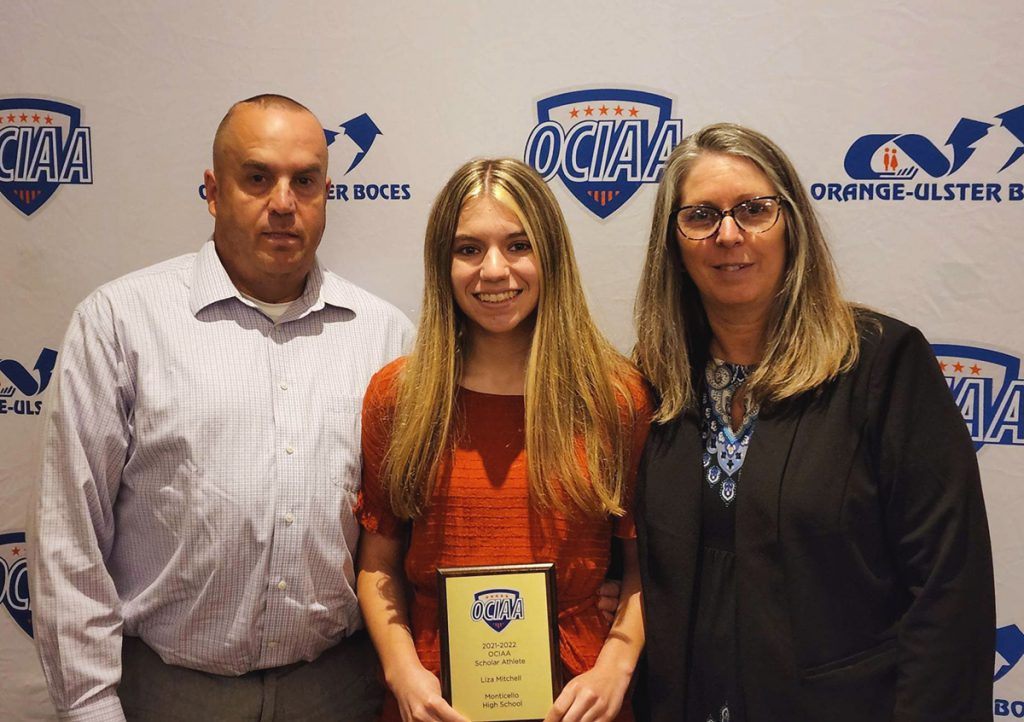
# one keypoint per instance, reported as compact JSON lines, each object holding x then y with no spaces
{"x":341,"y":685}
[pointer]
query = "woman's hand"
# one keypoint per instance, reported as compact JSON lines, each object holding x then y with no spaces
{"x":594,"y":696}
{"x":418,"y":693}
{"x":597,"y":695}
{"x":381,"y":587}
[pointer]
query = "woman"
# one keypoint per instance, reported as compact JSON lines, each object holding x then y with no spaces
{"x":812,"y":533}
{"x":510,"y":435}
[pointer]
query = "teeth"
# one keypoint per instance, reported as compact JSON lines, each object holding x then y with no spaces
{"x":497,"y":297}
{"x":733,"y":267}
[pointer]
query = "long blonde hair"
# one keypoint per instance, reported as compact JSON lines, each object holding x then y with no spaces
{"x":576,"y":437}
{"x":812,"y":330}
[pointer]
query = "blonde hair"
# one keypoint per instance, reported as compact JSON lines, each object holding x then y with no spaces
{"x":812,"y":331}
{"x":576,"y":435}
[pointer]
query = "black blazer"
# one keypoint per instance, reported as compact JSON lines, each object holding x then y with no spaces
{"x":863,"y":561}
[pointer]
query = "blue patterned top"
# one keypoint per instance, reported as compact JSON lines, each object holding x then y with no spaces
{"x":724,"y":448}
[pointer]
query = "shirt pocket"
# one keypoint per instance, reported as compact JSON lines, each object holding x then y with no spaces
{"x":343,"y":425}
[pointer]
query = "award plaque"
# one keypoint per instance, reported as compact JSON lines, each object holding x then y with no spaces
{"x":499,"y":641}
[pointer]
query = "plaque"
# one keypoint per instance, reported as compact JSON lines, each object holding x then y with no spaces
{"x":499,"y":641}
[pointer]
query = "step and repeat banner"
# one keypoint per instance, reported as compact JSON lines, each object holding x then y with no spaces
{"x":905,"y":120}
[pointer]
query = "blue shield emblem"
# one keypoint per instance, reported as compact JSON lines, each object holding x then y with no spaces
{"x":14,"y":579}
{"x":43,"y":145}
{"x":497,"y":607}
{"x":603,"y":143}
{"x":987,"y":387}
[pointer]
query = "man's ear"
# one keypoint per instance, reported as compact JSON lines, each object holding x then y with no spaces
{"x":211,"y":191}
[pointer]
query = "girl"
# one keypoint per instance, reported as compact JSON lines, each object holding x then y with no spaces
{"x":511,"y":434}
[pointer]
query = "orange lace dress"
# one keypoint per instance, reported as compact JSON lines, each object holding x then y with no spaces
{"x":480,"y":514}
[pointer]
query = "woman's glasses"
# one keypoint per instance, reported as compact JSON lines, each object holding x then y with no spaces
{"x":754,"y":216}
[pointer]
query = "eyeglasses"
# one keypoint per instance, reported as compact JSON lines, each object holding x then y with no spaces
{"x":754,"y":216}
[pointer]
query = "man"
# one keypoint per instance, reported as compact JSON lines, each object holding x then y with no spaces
{"x":194,"y":536}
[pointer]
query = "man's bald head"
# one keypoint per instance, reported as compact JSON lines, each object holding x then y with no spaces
{"x":263,"y":101}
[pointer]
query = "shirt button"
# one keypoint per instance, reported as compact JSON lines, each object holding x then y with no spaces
{"x":288,"y":518}
{"x":272,"y":643}
{"x":284,"y":387}
{"x":289,"y":450}
{"x":282,"y":585}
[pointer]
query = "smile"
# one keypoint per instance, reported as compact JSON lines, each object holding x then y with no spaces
{"x":498,"y":297}
{"x":732,"y":266}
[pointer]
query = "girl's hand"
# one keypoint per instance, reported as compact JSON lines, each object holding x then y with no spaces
{"x":594,"y":696}
{"x":419,"y":698}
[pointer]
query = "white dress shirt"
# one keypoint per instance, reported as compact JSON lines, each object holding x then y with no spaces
{"x":199,"y":467}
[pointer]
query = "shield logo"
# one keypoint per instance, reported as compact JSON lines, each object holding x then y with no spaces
{"x":497,"y":607}
{"x":980,"y":380}
{"x":14,"y":579}
{"x":43,"y":145}
{"x":611,"y":142}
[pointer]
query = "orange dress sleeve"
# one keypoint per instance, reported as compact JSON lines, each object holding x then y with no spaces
{"x":373,"y":508}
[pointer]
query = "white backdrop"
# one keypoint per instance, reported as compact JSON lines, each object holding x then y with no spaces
{"x":839,"y":85}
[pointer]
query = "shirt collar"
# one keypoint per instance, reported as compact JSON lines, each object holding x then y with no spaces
{"x":211,"y":283}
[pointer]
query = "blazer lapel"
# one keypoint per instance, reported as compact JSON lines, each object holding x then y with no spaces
{"x":673,"y":485}
{"x":760,"y":486}
{"x":763,"y":626}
